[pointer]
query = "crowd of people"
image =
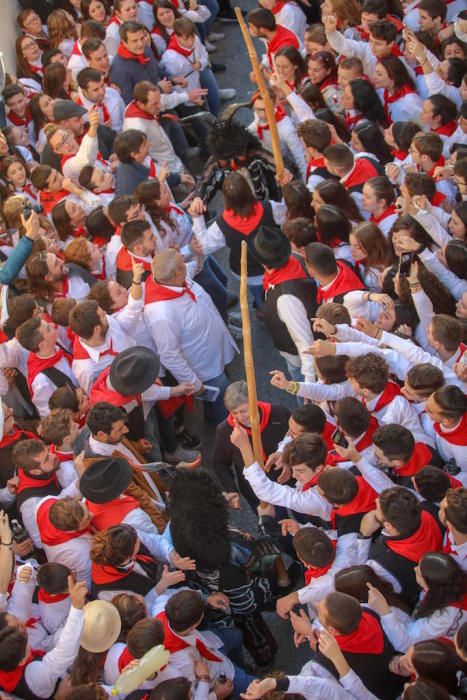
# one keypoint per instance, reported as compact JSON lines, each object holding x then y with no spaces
{"x":120,"y":179}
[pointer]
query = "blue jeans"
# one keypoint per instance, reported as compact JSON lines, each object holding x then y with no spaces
{"x":216,"y":411}
{"x":205,"y":27}
{"x":213,"y":280}
{"x":208,"y":81}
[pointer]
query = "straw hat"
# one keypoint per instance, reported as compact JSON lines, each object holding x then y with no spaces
{"x":101,"y":626}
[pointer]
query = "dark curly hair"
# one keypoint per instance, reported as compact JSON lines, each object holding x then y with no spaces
{"x":446,"y":582}
{"x":230,"y":139}
{"x":443,"y":302}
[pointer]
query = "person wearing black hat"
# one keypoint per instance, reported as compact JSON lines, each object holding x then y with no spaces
{"x":106,"y":485}
{"x":129,"y":383}
{"x":290,"y":301}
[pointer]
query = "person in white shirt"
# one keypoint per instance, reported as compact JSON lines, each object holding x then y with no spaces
{"x":93,"y":91}
{"x":191,"y":338}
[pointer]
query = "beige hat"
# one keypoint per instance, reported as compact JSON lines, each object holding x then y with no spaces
{"x":101,"y":626}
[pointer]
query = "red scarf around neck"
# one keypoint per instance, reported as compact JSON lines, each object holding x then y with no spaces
{"x":101,"y":392}
{"x":427,"y":538}
{"x":50,"y":535}
{"x":123,"y":52}
{"x":80,"y":352}
{"x":400,"y":155}
{"x":105,"y":515}
{"x":312,"y":572}
{"x":37,"y":364}
{"x":175,"y":45}
{"x":366,"y":639}
{"x":390,"y":211}
{"x":446,"y":129}
{"x":17,"y":120}
{"x":457,"y":436}
{"x":314,"y":163}
{"x":345,"y":281}
{"x":421,"y":457}
{"x":51,"y":598}
{"x":61,"y":456}
{"x":158,"y":292}
{"x":389,"y":394}
{"x":292,"y":270}
{"x":15,"y":435}
{"x":135,"y":112}
{"x":173,"y":642}
{"x":363,"y":502}
{"x":102,"y":574}
{"x":10,"y":679}
{"x":396,"y":95}
{"x":278,"y":6}
{"x":101,"y":107}
{"x":265,"y":414}
{"x":27,"y":481}
{"x":244,"y":224}
{"x":279,"y":115}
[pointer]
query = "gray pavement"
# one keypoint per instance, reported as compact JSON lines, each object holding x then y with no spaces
{"x":232,"y":52}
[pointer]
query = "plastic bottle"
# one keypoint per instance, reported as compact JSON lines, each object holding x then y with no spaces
{"x":149,"y":664}
{"x":20,"y":534}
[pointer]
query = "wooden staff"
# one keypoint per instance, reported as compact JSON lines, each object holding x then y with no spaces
{"x":281,"y":572}
{"x":268,"y":105}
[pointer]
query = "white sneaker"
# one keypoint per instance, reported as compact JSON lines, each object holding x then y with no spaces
{"x":216,"y":36}
{"x":227,"y":94}
{"x":210,"y":48}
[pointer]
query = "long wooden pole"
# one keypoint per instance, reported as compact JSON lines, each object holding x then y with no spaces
{"x":268,"y":105}
{"x":281,"y":572}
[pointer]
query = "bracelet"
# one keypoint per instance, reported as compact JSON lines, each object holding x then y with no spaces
{"x":6,"y":544}
{"x":204,"y":678}
{"x":294,"y":388}
{"x":138,"y":283}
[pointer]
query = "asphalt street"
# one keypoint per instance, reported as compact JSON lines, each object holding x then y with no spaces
{"x":232,"y":52}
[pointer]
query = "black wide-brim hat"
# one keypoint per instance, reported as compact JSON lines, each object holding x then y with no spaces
{"x":270,"y":247}
{"x":105,"y":480}
{"x":134,"y":370}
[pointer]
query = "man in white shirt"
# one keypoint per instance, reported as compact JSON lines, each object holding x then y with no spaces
{"x":191,"y":338}
{"x":93,"y":92}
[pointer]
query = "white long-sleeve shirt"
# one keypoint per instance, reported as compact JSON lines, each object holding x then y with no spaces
{"x":288,"y":138}
{"x":292,"y":312}
{"x":176,"y":64}
{"x":86,"y":155}
{"x":43,"y":387}
{"x":309,"y":502}
{"x":114,"y":105}
{"x":442,"y":623}
{"x":457,"y":287}
{"x":315,"y":688}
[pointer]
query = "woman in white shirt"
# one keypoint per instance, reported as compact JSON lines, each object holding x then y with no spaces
{"x":371,"y":253}
{"x":333,"y":229}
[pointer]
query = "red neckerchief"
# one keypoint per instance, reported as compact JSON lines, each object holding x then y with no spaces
{"x":123,"y":52}
{"x":427,"y":538}
{"x":390,"y":392}
{"x":265,"y":414}
{"x":14,"y":436}
{"x":124,"y":659}
{"x":401,"y":155}
{"x":454,"y":483}
{"x":135,"y":112}
{"x":51,"y":598}
{"x":174,"y":643}
{"x":175,"y":45}
{"x":244,"y":224}
{"x":292,"y":270}
{"x":152,"y":169}
{"x":279,"y":114}
{"x":124,"y":261}
{"x":157,"y":292}
{"x":421,"y":457}
{"x":312,"y":572}
{"x":366,"y":639}
{"x":461,"y":604}
{"x":397,"y":95}
{"x":367,"y":438}
{"x":30,"y":482}
{"x":76,"y":50}
{"x":50,"y":535}
{"x":114,"y":20}
{"x":363,"y":502}
{"x":282,"y":37}
{"x":10,"y":679}
{"x":80,"y":353}
{"x":64,"y":288}
{"x":37,"y":70}
{"x":352,"y":121}
{"x":346,"y":281}
{"x":362,"y":171}
{"x":49,"y":199}
{"x":102,"y":574}
{"x":105,"y":515}
{"x":439,"y":164}
{"x":390,"y":211}
{"x":31,"y":191}
{"x":17,"y":120}
{"x":37,"y":364}
{"x":102,"y":107}
{"x":101,"y":392}
{"x":61,"y":456}
{"x":437,"y":199}
{"x":314,"y":163}
{"x":327,"y":82}
{"x":328,"y":432}
{"x":461,"y":349}
{"x":278,"y":6}
{"x":445,"y":130}
{"x":395,"y":51}
{"x":457,"y":436}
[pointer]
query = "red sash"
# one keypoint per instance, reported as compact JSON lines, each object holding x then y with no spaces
{"x":29,"y":482}
{"x":157,"y":292}
{"x":244,"y":224}
{"x":346,"y":281}
{"x":427,"y":538}
{"x":279,"y":114}
{"x":421,"y":457}
{"x":123,"y":52}
{"x":312,"y":572}
{"x":37,"y":364}
{"x":292,"y":270}
{"x":50,"y":535}
{"x":10,"y":679}
{"x":366,"y":639}
{"x":390,"y":211}
{"x":363,"y":502}
{"x":105,"y":515}
{"x":457,"y":436}
{"x":174,"y":643}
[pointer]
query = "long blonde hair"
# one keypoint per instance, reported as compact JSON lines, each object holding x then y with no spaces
{"x":60,"y":26}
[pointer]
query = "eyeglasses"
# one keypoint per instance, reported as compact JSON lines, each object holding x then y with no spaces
{"x":62,"y":141}
{"x":29,"y":45}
